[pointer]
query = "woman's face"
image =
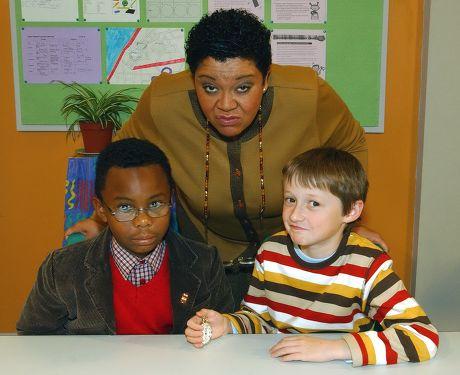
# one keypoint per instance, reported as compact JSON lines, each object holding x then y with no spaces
{"x":229,"y":93}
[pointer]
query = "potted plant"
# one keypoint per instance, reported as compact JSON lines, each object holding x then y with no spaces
{"x":98,"y":114}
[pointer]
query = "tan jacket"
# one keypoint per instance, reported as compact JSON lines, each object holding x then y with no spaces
{"x":300,"y":111}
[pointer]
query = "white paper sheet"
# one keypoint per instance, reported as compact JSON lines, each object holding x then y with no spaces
{"x":300,"y":47}
{"x":111,"y":10}
{"x":254,"y":6}
{"x":49,"y":10}
{"x":295,"y":11}
{"x":145,"y":54}
{"x":174,"y":10}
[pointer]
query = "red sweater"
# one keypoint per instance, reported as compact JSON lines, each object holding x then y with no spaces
{"x":146,"y":309}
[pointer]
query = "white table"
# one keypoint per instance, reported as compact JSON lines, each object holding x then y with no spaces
{"x":233,"y":354}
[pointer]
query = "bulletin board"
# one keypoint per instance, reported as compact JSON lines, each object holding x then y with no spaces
{"x":356,"y":44}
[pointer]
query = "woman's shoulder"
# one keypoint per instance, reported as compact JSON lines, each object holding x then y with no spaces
{"x":166,"y":84}
{"x":290,"y":76}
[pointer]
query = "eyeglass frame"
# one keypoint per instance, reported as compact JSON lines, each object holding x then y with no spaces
{"x":138,"y":210}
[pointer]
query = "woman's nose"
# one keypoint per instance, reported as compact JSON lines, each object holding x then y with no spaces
{"x":227,"y":102}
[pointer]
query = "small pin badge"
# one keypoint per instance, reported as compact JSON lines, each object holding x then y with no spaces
{"x":184,"y":298}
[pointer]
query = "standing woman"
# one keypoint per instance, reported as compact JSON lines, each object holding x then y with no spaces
{"x":228,"y":125}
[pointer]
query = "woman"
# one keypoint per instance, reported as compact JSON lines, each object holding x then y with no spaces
{"x":228,"y":125}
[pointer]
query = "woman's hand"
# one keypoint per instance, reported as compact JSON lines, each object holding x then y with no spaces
{"x":311,"y":349}
{"x":90,"y":228}
{"x":194,"y":332}
{"x":371,"y":236}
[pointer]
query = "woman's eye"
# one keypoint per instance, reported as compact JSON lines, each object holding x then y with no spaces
{"x":210,"y":89}
{"x":124,"y":208}
{"x":243,"y":88}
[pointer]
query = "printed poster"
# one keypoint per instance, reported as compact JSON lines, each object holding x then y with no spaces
{"x":254,"y":6}
{"x":174,"y":10}
{"x":61,"y":53}
{"x":49,"y":10}
{"x":111,"y":10}
{"x":300,"y":47}
{"x":295,"y":11}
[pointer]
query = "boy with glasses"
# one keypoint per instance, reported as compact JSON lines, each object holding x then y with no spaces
{"x":137,"y":276}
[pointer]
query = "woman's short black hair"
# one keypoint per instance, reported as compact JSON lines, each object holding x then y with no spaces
{"x":129,"y":153}
{"x":226,"y":34}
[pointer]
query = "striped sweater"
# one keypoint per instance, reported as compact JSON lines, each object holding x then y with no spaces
{"x":354,"y":291}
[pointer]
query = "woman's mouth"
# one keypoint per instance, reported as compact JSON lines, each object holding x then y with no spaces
{"x":228,"y":120}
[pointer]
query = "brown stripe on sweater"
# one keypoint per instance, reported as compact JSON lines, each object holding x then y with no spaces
{"x":408,"y":346}
{"x":419,"y":319}
{"x":383,"y":286}
{"x":256,"y":283}
{"x":334,"y":299}
{"x":364,"y":251}
{"x":281,"y":239}
{"x":240,"y":320}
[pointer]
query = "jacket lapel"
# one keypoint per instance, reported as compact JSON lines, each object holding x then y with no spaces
{"x":98,"y":282}
{"x":184,"y":283}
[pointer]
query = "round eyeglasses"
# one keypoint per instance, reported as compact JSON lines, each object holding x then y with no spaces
{"x":127,"y":213}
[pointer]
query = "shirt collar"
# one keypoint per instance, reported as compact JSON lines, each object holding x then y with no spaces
{"x":126,"y":261}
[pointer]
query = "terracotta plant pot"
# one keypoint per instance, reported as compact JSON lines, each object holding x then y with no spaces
{"x":95,"y":137}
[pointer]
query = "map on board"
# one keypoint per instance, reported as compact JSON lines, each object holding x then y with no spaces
{"x":137,"y":55}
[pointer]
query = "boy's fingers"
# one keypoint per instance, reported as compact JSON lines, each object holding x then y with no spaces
{"x":203,"y":312}
{"x":194,"y":342}
{"x":195,"y":322}
{"x":189,"y":332}
{"x":280,"y":352}
{"x":284,"y":343}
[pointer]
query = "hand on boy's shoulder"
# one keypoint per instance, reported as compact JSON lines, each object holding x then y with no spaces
{"x":358,"y":239}
{"x":372,"y":236}
{"x":89,"y":228}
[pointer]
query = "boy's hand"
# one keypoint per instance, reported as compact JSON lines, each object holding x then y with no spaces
{"x":90,"y":228}
{"x":311,"y":349}
{"x":194,"y":331}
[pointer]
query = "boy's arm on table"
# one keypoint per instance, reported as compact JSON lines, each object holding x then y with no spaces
{"x":408,"y":334}
{"x":43,"y":313}
{"x":254,"y":316}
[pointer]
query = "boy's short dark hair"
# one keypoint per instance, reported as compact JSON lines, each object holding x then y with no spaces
{"x":332,"y":170}
{"x":129,"y":153}
{"x":226,"y":34}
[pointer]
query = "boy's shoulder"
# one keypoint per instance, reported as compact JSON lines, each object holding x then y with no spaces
{"x":359,"y":246}
{"x":72,"y":257}
{"x":355,"y":240}
{"x":277,"y":242}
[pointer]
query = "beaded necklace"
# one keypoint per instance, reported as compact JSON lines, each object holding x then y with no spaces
{"x":206,"y":175}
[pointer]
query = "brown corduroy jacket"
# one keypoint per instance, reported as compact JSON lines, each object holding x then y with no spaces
{"x":73,"y":290}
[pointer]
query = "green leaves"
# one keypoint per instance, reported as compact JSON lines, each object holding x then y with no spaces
{"x":96,"y":106}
